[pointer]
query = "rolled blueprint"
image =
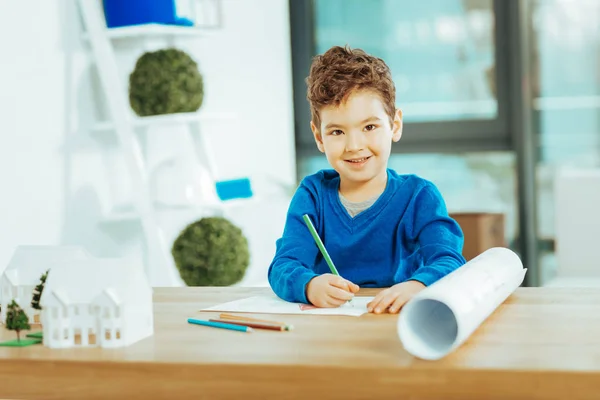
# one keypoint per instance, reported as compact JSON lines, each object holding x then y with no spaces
{"x":442,"y":316}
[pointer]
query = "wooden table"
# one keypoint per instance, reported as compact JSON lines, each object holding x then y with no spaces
{"x":541,"y":344}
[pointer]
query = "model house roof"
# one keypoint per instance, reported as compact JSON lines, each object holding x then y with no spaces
{"x":28,"y":263}
{"x":82,"y":281}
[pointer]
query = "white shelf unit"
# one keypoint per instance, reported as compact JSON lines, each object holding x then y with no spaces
{"x":203,"y":150}
{"x":145,"y":31}
{"x":168,"y":119}
{"x":160,"y":268}
{"x":130,"y":215}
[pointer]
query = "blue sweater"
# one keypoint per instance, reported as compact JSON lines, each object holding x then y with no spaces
{"x":405,"y":235}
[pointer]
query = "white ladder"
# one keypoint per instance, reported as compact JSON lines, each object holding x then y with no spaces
{"x":160,"y":266}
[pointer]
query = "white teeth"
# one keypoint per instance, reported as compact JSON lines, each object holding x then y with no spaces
{"x":359,"y":160}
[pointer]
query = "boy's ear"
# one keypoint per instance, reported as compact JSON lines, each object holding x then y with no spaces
{"x":318,"y":137}
{"x":397,"y":126}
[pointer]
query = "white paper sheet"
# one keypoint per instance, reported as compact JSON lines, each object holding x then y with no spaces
{"x":271,"y":304}
{"x":441,"y":317}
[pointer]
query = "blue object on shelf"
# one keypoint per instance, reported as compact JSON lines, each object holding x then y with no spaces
{"x":136,"y":12}
{"x":184,"y":22}
{"x":234,"y":189}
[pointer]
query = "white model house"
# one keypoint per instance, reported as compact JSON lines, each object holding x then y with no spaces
{"x":24,"y":271}
{"x":97,"y":302}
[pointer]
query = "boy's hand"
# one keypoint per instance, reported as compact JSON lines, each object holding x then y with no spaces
{"x":395,"y":297}
{"x":329,"y":291}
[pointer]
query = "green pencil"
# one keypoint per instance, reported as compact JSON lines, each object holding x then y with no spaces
{"x":320,"y":245}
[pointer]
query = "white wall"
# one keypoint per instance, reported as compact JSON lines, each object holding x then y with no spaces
{"x":58,"y":178}
{"x":32,"y":125}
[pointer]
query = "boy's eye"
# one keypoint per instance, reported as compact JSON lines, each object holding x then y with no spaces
{"x":370,"y":127}
{"x":336,"y":132}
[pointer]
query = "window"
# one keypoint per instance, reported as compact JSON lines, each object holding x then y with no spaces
{"x":77,"y":337}
{"x":441,"y":52}
{"x":446,"y":56}
{"x":565,"y":64}
{"x":91,"y":336}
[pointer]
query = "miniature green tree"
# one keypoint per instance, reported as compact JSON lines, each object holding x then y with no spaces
{"x":37,"y":292}
{"x":16,"y":319}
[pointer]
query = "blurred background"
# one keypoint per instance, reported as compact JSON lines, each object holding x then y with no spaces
{"x":174,"y":132}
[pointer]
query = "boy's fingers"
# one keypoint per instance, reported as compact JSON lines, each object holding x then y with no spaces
{"x":320,"y":302}
{"x":371,"y":305}
{"x":339,"y":282}
{"x":385,"y":302}
{"x":344,"y":284}
{"x":397,"y":304}
{"x":339,"y":294}
{"x":333,"y":302}
{"x":375,"y":302}
{"x":377,"y":297}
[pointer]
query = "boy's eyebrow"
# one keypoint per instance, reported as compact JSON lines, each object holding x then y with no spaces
{"x":370,"y":119}
{"x":332,"y":125}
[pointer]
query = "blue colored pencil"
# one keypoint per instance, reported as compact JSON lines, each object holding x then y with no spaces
{"x":220,"y":325}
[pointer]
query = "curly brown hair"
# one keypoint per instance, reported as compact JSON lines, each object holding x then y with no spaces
{"x":339,"y":71}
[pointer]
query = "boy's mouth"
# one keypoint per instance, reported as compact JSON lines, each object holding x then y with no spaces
{"x":358,"y":160}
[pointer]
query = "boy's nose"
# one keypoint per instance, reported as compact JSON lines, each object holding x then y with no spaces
{"x":353,"y":143}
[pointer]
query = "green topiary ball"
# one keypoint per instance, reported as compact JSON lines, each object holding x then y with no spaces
{"x":165,"y":82}
{"x":211,"y":252}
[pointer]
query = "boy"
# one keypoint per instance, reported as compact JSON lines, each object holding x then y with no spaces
{"x":380,"y":228}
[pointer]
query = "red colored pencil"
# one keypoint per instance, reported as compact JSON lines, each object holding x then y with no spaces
{"x":242,"y":318}
{"x":250,"y":324}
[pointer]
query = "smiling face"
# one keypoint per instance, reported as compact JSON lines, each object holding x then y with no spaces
{"x":356,"y":137}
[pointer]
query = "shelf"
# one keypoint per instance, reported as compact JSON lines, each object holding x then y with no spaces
{"x":131,"y":215}
{"x":155,"y":30}
{"x":170,"y":119}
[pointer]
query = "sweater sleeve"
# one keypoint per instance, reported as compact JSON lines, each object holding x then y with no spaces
{"x":439,"y":237}
{"x":295,"y":253}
